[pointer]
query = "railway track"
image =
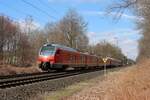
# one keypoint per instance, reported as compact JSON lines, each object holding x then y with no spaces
{"x":32,"y":78}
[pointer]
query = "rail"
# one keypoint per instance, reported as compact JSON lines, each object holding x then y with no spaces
{"x":32,"y":78}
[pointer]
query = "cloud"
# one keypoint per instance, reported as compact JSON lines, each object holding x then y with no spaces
{"x":130,"y":48}
{"x":126,"y":39}
{"x":33,"y":26}
{"x":127,"y":16}
{"x":112,"y":14}
{"x":91,"y":34}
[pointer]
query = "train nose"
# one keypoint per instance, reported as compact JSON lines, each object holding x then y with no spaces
{"x":46,"y":58}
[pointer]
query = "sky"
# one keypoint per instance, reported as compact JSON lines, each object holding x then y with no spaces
{"x":101,"y":26}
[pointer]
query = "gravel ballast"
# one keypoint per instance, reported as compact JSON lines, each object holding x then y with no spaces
{"x":29,"y":91}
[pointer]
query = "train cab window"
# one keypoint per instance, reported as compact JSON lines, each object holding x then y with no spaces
{"x":47,"y":50}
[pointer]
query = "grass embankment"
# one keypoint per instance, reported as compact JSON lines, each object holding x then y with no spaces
{"x":131,"y":83}
{"x":12,"y":70}
{"x":65,"y":92}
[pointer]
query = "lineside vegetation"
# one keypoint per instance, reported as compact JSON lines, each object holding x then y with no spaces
{"x":20,"y":42}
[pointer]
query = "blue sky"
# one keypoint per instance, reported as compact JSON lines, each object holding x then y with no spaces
{"x":100,"y":26}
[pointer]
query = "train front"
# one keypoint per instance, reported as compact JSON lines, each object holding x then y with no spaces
{"x":46,"y":57}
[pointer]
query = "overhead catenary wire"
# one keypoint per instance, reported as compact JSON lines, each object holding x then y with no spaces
{"x":43,"y":3}
{"x":38,"y":9}
{"x":15,"y":10}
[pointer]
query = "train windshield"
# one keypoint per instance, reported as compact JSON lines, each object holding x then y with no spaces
{"x":47,"y":50}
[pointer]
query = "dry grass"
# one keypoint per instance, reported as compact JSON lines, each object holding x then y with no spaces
{"x":130,"y":84}
{"x":56,"y":95}
{"x":11,"y":70}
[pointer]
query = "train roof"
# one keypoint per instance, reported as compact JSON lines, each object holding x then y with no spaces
{"x":62,"y":47}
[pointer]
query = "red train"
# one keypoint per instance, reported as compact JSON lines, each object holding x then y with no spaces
{"x":112,"y":62}
{"x":58,"y":57}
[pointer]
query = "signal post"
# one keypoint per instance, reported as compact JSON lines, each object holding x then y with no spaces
{"x":105,"y":69}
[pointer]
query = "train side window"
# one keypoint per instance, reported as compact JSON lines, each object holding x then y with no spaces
{"x":83,"y":59}
{"x":71,"y":58}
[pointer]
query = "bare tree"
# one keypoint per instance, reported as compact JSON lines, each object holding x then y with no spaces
{"x":73,"y":28}
{"x":38,"y":39}
{"x":69,"y":31}
{"x":7,"y":39}
{"x":141,"y":9}
{"x":121,"y":6}
{"x":16,"y":46}
{"x":105,"y":49}
{"x":54,"y":35}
